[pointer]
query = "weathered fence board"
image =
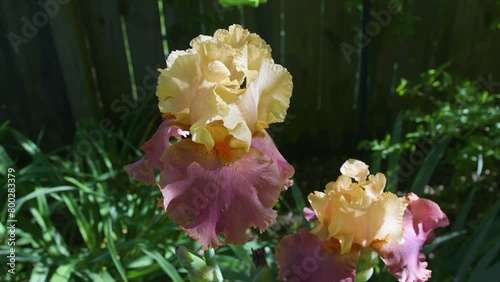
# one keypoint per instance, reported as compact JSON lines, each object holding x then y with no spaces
{"x":145,"y":42}
{"x":75,"y":66}
{"x":107,"y":48}
{"x":34,"y":88}
{"x":75,"y":63}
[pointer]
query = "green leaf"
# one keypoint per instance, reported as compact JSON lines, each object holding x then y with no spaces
{"x":478,"y":239}
{"x":242,"y":254}
{"x":108,"y":231}
{"x":39,"y":273}
{"x":393,"y":162}
{"x":164,"y":264}
{"x":5,"y":161}
{"x":83,"y":225}
{"x":442,"y":239}
{"x":402,"y":87}
{"x":264,"y":274}
{"x":298,"y":198}
{"x":484,"y":262}
{"x":62,"y":273}
{"x":42,"y":192}
{"x":427,"y":169}
{"x":464,"y":211}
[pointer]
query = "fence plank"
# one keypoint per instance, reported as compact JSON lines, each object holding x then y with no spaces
{"x":35,"y":96}
{"x":302,"y":45}
{"x":104,"y":32}
{"x":75,"y":62}
{"x":145,"y":43}
{"x":13,"y":90}
{"x":182,"y":21}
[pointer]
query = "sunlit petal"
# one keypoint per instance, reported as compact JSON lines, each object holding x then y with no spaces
{"x":404,"y":260}
{"x":143,"y":170}
{"x":355,"y":169}
{"x":208,"y":198}
{"x":268,"y":97}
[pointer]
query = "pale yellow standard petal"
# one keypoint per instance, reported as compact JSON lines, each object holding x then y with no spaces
{"x":179,"y":85}
{"x":343,"y":183}
{"x":375,"y":185}
{"x":268,"y":97}
{"x":355,"y":169}
{"x":174,"y":55}
{"x":213,"y":109}
{"x":320,"y":205}
{"x":226,"y":88}
{"x":235,"y":36}
{"x":217,"y":72}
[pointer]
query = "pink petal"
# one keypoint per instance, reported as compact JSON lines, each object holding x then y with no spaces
{"x":207,"y":197}
{"x":143,"y":170}
{"x":303,"y":257}
{"x":265,"y":143}
{"x":309,"y":214}
{"x":404,"y":260}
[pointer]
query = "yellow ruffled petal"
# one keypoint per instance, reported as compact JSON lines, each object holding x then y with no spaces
{"x":390,"y":209}
{"x":319,"y":204}
{"x":238,"y":129}
{"x":343,"y":183}
{"x":173,"y":56}
{"x":217,"y":72}
{"x":235,"y":36}
{"x":216,"y":113}
{"x":226,"y":87}
{"x":228,"y":92}
{"x":178,"y":86}
{"x":268,"y":97}
{"x":375,"y":185}
{"x":358,"y":213}
{"x":355,"y":169}
{"x":248,"y":59}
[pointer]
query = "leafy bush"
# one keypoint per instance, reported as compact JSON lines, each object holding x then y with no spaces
{"x":448,"y":147}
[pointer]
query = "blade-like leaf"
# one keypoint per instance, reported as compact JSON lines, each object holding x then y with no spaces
{"x":393,"y":161}
{"x":164,"y":264}
{"x":427,"y":169}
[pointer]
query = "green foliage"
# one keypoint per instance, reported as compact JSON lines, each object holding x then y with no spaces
{"x":449,"y":150}
{"x":81,"y":218}
{"x":464,"y":110}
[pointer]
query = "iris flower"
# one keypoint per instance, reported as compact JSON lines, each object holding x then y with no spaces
{"x":354,"y":217}
{"x":224,"y":174}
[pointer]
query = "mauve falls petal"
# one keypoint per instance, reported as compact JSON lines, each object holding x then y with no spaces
{"x":143,"y":169}
{"x":404,"y":260}
{"x":208,"y":198}
{"x":265,"y":143}
{"x":304,"y":257}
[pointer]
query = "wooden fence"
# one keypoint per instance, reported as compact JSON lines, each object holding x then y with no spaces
{"x":69,"y":60}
